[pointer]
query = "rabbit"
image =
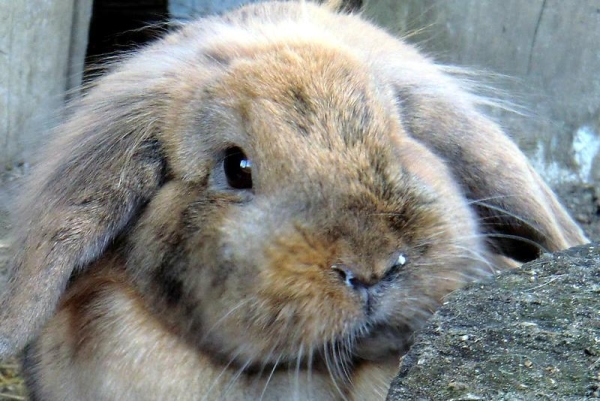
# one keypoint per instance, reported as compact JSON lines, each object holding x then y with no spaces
{"x":265,"y":204}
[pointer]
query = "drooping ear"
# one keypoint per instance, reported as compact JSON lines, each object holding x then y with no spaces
{"x":518,"y":212}
{"x":105,"y":163}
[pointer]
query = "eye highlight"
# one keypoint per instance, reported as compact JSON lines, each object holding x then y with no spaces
{"x":238,"y":169}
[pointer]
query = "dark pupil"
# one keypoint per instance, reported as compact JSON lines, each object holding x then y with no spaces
{"x":238,"y":169}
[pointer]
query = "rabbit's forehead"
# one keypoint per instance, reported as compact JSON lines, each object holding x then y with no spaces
{"x":300,"y":98}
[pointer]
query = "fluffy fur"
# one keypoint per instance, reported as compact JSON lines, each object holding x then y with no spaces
{"x":377,"y":189}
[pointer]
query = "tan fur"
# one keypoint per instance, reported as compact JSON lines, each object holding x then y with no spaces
{"x":141,"y":274}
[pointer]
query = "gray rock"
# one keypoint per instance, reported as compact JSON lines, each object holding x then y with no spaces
{"x":531,"y":333}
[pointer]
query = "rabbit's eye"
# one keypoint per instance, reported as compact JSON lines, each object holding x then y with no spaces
{"x":238,"y":169}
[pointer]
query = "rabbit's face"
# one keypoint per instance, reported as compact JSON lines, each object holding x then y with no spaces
{"x":317,"y":225}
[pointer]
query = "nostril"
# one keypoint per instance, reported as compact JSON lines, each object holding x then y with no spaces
{"x":353,"y":282}
{"x":347,"y":276}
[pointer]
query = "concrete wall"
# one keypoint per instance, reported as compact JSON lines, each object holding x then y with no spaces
{"x":42,"y":45}
{"x":549,"y":49}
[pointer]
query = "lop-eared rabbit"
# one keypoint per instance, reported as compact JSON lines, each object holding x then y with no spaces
{"x":262,"y":205}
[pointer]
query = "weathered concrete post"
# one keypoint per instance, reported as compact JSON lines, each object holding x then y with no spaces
{"x":42,"y":47}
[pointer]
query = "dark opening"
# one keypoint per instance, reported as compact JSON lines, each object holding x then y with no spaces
{"x":118,"y":26}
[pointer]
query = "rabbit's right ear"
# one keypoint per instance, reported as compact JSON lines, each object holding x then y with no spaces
{"x":518,"y":212}
{"x":105,"y":164}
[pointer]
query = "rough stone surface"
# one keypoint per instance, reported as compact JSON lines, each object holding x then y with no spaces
{"x":532,"y":333}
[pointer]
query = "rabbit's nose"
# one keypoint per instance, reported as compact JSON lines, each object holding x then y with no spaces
{"x":352,"y":279}
{"x":359,"y":282}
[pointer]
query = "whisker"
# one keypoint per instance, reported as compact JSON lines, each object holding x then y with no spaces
{"x":509,"y":236}
{"x":266,"y":361}
{"x":270,"y":377}
{"x":477,"y":256}
{"x":510,"y":214}
{"x":462,"y":280}
{"x":297,"y":376}
{"x":236,"y":377}
{"x":309,"y":371}
{"x":518,"y":238}
{"x":222,"y":319}
{"x":489,"y":198}
{"x":329,"y":367}
{"x":212,"y":386}
{"x":340,"y":363}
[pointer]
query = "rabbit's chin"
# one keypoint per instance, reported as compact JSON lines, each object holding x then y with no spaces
{"x":334,"y":356}
{"x":383,"y":343}
{"x":358,"y":339}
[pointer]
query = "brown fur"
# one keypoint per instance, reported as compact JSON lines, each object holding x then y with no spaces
{"x":176,"y":286}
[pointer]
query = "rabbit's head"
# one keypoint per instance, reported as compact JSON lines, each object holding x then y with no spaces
{"x":300,"y":212}
{"x":279,"y":182}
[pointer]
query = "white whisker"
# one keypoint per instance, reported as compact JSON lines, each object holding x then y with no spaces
{"x":507,"y":213}
{"x":216,"y":381}
{"x":297,"y":375}
{"x":237,"y":376}
{"x":222,"y":319}
{"x":329,"y":367}
{"x":269,"y":378}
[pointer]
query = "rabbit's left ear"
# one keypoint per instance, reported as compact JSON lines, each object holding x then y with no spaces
{"x":518,"y":213}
